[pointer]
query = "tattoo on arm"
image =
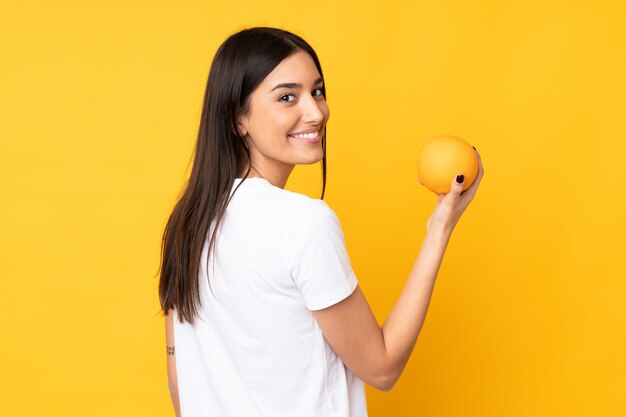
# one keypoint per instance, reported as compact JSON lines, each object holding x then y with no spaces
{"x":170,"y":350}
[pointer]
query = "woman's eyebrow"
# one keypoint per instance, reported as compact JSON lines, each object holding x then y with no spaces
{"x":294,"y":85}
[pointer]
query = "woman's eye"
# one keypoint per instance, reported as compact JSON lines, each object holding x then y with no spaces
{"x":285,"y":98}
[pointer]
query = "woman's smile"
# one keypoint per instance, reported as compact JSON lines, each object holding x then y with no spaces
{"x":307,"y":136}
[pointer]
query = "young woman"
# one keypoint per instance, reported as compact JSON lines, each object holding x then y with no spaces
{"x":264,"y":315}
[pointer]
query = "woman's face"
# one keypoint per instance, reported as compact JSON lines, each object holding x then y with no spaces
{"x":287,"y":103}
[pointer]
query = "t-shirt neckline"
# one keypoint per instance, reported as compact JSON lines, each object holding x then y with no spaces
{"x":237,"y":180}
{"x":252,"y":178}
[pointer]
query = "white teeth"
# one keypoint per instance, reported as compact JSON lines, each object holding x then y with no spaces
{"x":312,"y":135}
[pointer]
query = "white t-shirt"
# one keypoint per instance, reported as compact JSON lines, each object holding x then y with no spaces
{"x":257,"y":350}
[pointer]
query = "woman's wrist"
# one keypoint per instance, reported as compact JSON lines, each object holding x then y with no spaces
{"x":439,"y":231}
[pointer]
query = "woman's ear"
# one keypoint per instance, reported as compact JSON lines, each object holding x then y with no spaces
{"x":241,"y":128}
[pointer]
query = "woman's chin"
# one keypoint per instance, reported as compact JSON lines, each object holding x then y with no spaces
{"x":311,"y":158}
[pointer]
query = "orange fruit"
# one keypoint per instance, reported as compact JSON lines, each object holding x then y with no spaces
{"x":442,"y":158}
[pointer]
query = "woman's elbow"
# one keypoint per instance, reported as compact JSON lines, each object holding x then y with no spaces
{"x":384,"y":383}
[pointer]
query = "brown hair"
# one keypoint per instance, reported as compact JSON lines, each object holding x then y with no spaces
{"x":241,"y":63}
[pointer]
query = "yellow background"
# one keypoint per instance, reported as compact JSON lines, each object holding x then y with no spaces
{"x":100,"y":105}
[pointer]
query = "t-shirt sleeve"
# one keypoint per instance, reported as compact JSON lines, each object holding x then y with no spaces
{"x":316,"y":256}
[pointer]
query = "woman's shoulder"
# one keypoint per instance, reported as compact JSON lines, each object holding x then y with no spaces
{"x":287,"y":196}
{"x":261,"y":195}
{"x":304,"y":204}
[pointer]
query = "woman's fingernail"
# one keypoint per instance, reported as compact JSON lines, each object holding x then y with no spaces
{"x":460,"y":178}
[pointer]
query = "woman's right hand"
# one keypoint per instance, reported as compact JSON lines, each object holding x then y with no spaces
{"x":451,"y":206}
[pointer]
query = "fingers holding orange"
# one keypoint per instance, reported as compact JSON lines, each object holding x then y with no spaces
{"x":442,"y":158}
{"x":469,"y":194}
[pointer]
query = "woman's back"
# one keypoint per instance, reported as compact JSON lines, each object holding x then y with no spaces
{"x":256,"y":348}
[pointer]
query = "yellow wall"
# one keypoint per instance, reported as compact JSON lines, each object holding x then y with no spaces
{"x":100,"y":104}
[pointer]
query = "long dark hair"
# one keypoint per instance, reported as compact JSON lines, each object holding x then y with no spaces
{"x":241,"y":63}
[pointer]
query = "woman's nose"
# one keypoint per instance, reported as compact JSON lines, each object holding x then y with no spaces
{"x":312,"y":111}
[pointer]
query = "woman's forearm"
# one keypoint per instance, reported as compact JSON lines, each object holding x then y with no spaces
{"x":175,"y":400}
{"x":403,"y":325}
{"x":172,"y":378}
